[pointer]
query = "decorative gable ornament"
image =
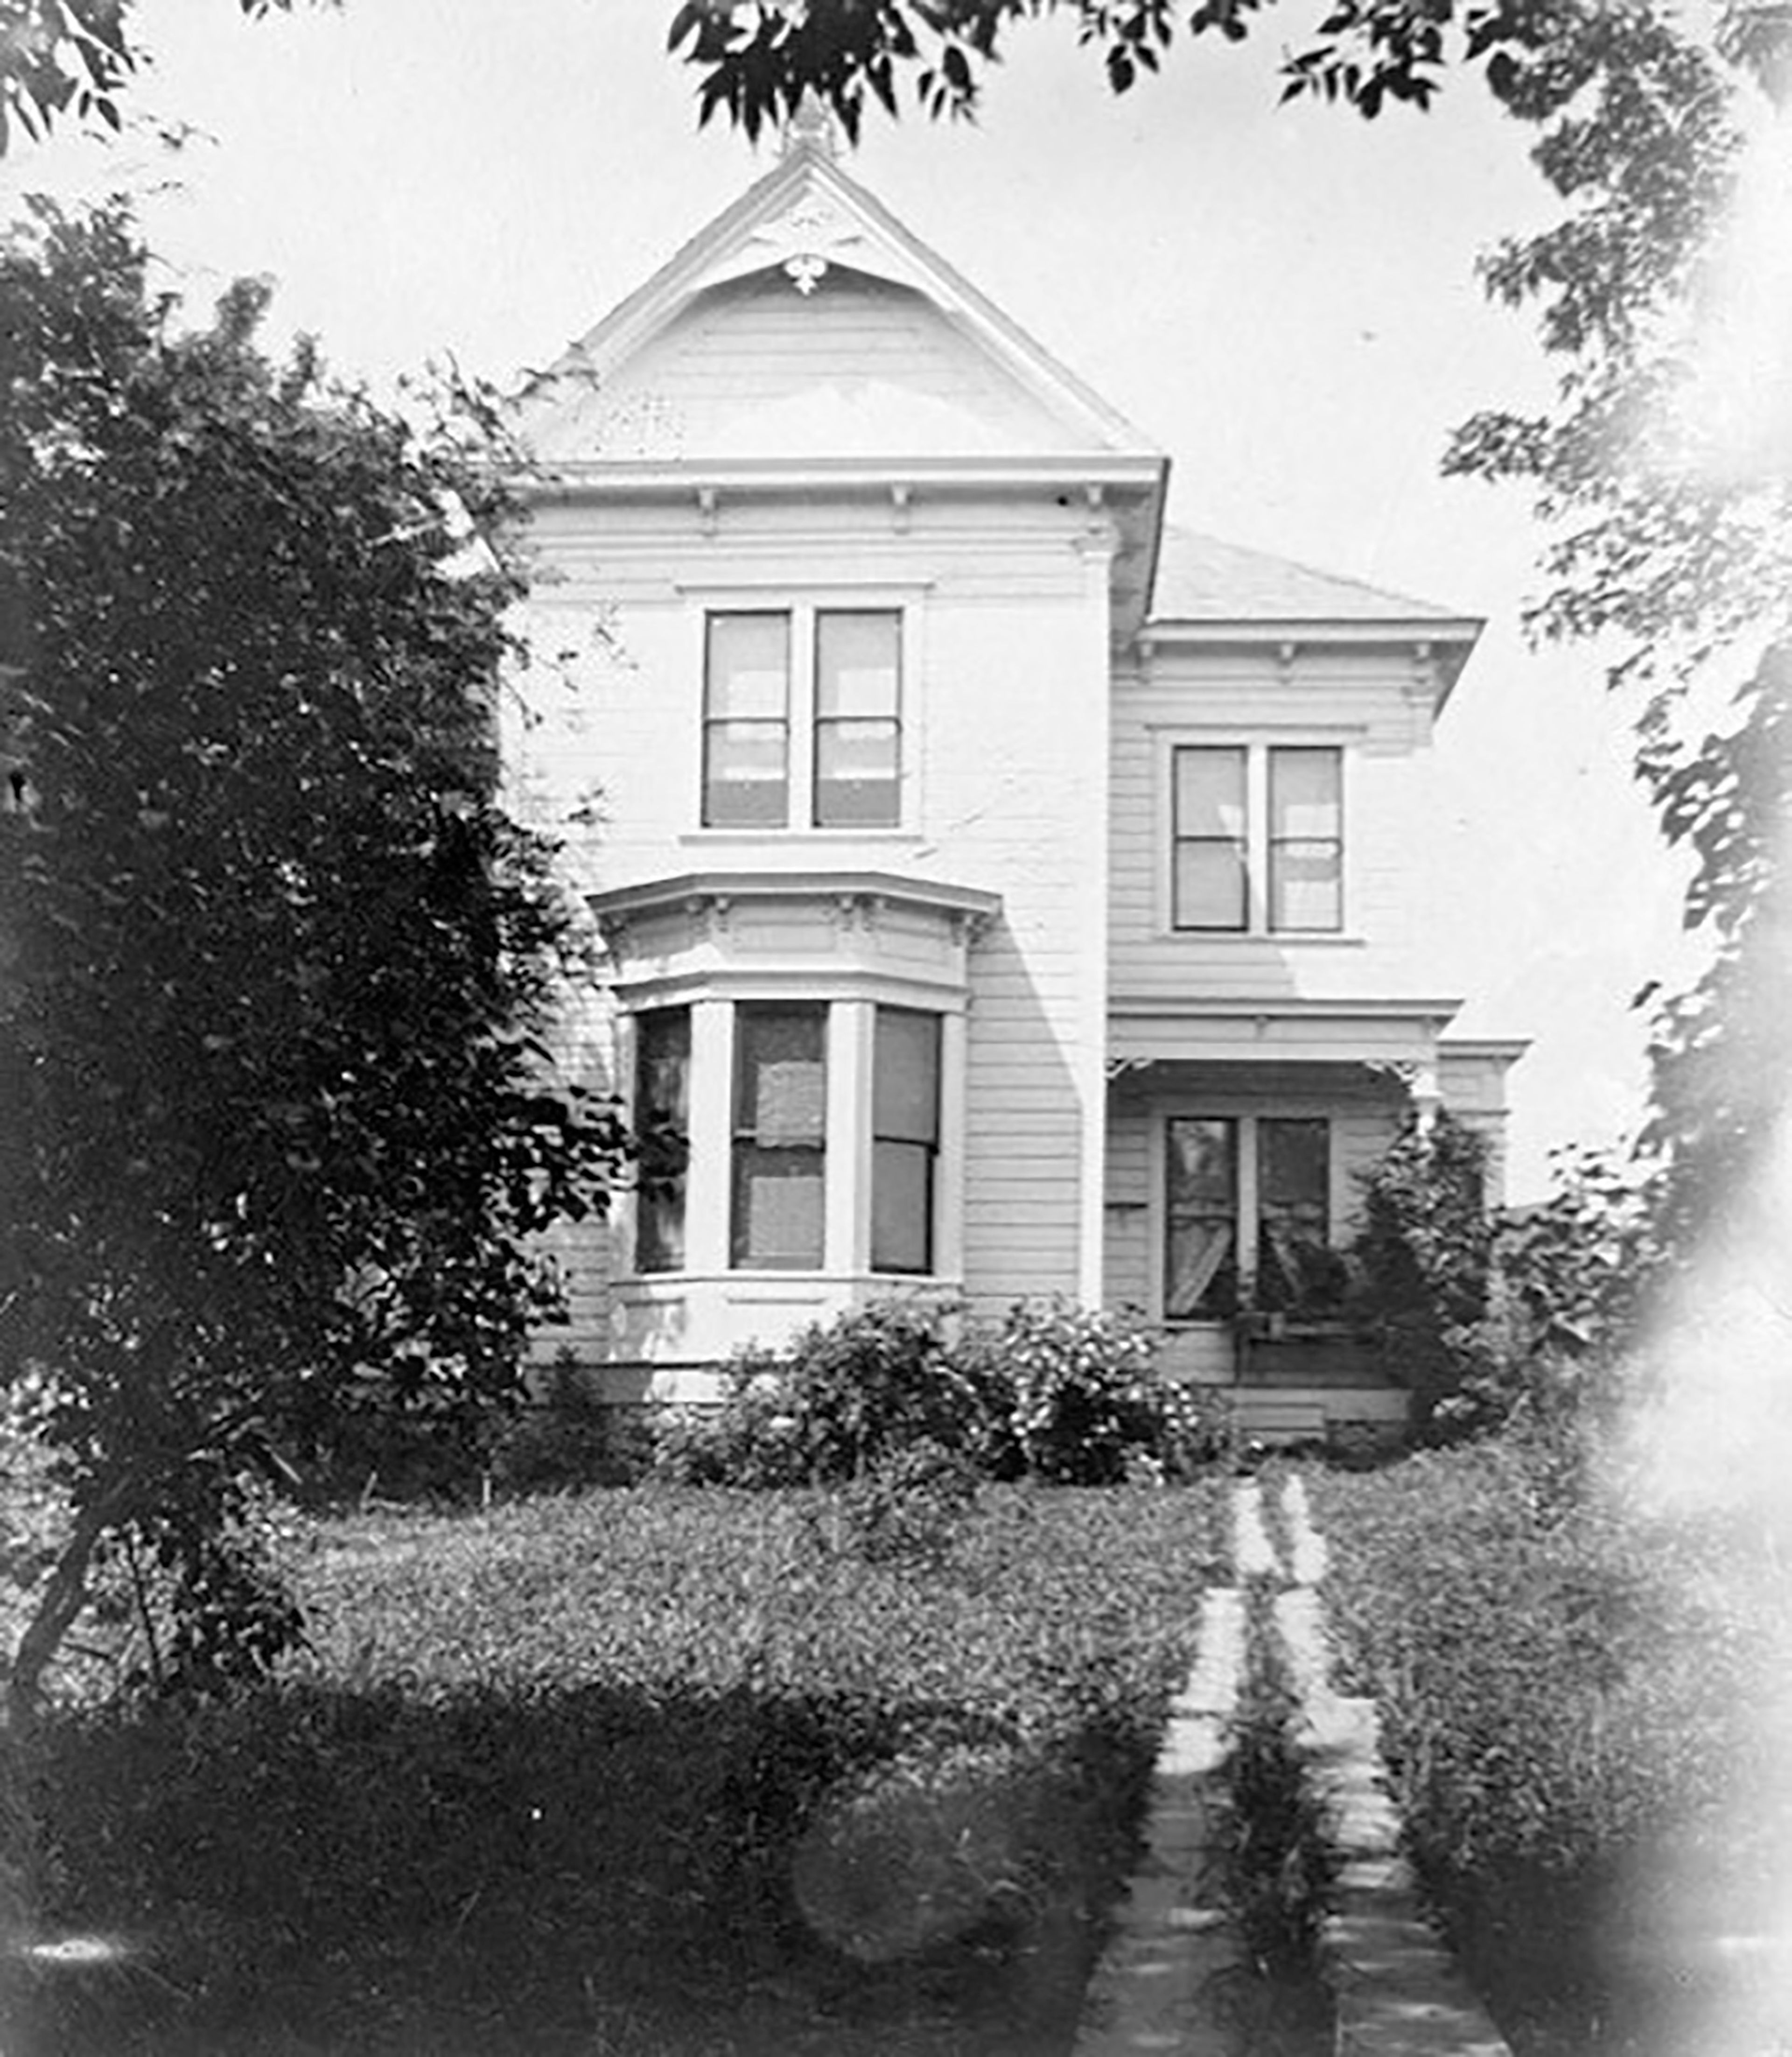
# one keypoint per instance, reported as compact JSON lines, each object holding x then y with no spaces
{"x":806,"y":239}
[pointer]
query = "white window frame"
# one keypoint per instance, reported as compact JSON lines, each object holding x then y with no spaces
{"x":1257,"y":742}
{"x":1246,"y":1115}
{"x":800,"y":607}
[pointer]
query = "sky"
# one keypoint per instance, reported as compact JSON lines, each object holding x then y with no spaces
{"x":1283,"y":297}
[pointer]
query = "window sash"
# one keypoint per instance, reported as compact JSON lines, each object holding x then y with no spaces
{"x":856,"y":762}
{"x":1200,"y":1183}
{"x":662,"y":1097}
{"x":746,"y":720}
{"x":1209,"y":829}
{"x":905,"y":1139}
{"x":1305,"y":839}
{"x":778,"y":1213}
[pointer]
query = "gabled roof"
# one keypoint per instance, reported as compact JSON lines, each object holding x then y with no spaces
{"x":1200,"y":579}
{"x":804,"y":218}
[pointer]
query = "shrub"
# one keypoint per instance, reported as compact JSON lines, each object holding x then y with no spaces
{"x":570,"y":1438}
{"x":1056,"y":1392}
{"x":1084,"y":1403}
{"x":910,"y":1507}
{"x":1423,"y":1258}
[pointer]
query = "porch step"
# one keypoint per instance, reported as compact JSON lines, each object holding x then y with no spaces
{"x":1265,"y":1416}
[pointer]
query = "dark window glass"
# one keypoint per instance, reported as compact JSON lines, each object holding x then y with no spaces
{"x":905,"y":1139}
{"x":663,"y":1117}
{"x":780,"y":1106}
{"x":1200,"y":1269}
{"x":1296,"y":1266}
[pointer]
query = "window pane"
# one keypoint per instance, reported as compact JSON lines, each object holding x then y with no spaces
{"x":1202,"y":1161}
{"x":901,"y":1207}
{"x":748,"y":669}
{"x":905,"y":1089}
{"x":856,"y":774}
{"x":1210,"y":886}
{"x":1306,"y":889}
{"x":662,"y":1066}
{"x":1210,"y":793}
{"x":781,"y":1074}
{"x":1201,"y":1276}
{"x":1304,"y":787}
{"x":779,"y":1201}
{"x":1293,"y":1163}
{"x":662,"y":1104}
{"x":745,"y":781}
{"x":1295,"y":1268}
{"x":857,"y":664}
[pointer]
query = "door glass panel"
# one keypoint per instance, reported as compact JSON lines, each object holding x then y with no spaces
{"x":1201,"y":1272}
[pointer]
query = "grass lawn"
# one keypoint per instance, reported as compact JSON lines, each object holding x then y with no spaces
{"x":1581,"y":1705}
{"x":638,"y":1772}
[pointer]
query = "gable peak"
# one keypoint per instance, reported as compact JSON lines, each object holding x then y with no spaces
{"x":813,"y":128}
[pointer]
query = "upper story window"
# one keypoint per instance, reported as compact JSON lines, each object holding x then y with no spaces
{"x":802,"y":719}
{"x":1257,"y":842}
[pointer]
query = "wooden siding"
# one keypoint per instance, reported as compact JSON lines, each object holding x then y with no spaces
{"x":1006,"y":616}
{"x":754,"y":367}
{"x":1370,"y":704}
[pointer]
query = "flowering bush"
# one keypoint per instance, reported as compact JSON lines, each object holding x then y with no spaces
{"x":1056,"y":1392}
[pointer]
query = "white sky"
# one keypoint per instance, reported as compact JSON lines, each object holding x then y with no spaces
{"x":1284,"y":298}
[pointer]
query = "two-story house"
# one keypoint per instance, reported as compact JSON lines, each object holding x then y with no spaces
{"x":1002,"y":891}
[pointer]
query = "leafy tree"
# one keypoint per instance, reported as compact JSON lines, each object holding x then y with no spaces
{"x":1671,"y":515}
{"x":59,"y":58}
{"x":280,"y":1131}
{"x":759,"y":58}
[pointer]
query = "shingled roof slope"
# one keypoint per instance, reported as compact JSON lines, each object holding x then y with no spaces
{"x":1201,"y":578}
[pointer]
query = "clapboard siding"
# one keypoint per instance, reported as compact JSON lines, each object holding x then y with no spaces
{"x":1367,"y":702}
{"x":1004,"y":616}
{"x":754,"y":366}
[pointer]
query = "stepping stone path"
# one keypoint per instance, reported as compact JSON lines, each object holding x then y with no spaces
{"x":1170,"y":1981}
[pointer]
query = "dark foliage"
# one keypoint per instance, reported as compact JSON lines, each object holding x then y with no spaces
{"x":281,"y":1128}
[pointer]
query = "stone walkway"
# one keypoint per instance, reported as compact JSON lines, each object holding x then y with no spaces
{"x":1170,"y":1981}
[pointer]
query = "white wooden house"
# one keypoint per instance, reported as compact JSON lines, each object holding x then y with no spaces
{"x":1006,"y":893}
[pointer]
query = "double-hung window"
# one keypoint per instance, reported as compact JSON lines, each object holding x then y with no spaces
{"x":1257,"y":839}
{"x":904,"y":1140}
{"x":1246,"y":1199}
{"x":746,"y":721}
{"x":780,"y":1140}
{"x":802,"y":719}
{"x":662,"y":1114}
